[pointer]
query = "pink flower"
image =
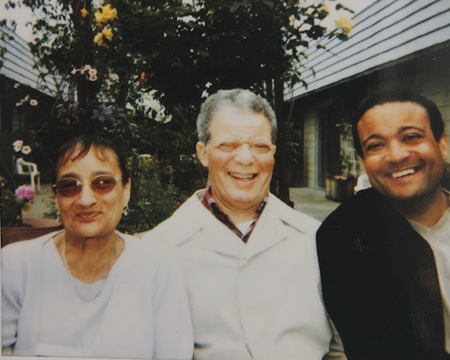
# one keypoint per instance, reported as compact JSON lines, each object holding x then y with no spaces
{"x":26,"y":149}
{"x":25,"y":192}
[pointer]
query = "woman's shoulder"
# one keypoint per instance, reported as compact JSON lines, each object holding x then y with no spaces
{"x":23,"y":257}
{"x":26,"y":248}
{"x":140,"y":248}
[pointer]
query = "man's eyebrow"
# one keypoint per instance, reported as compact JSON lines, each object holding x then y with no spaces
{"x":372,"y":137}
{"x":407,"y":128}
{"x":400,"y":131}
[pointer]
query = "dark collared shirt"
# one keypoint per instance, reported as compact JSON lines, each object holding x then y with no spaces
{"x":209,"y":203}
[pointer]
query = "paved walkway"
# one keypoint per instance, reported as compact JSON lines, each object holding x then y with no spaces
{"x":309,"y":201}
{"x":41,"y":208}
{"x":312,"y":202}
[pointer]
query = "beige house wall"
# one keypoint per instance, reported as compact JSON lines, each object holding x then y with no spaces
{"x":310,"y":139}
{"x":431,"y":79}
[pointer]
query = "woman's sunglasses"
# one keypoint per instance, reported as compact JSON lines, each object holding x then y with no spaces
{"x":72,"y":187}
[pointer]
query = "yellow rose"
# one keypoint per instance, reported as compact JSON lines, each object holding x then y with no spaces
{"x":325,"y":8}
{"x":105,"y":14}
{"x":107,"y":33}
{"x":109,"y":13}
{"x":84,"y":12}
{"x":99,"y":18}
{"x":98,"y":39}
{"x":345,"y":24}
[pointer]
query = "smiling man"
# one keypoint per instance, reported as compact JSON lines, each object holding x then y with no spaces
{"x":250,"y":260}
{"x":384,"y":254}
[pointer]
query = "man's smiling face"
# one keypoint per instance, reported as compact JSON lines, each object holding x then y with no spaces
{"x":401,"y":156}
{"x":239,"y":158}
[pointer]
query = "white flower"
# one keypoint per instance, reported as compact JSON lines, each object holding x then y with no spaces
{"x":18,"y":145}
{"x":108,"y":84}
{"x":153,"y":107}
{"x":33,"y":102}
{"x":114,"y":77}
{"x":26,"y":149}
{"x":92,"y":75}
{"x":188,"y":18}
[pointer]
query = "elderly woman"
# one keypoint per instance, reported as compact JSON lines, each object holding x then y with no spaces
{"x":90,"y":290}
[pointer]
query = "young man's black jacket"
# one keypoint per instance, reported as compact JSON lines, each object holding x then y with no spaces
{"x":380,"y":282}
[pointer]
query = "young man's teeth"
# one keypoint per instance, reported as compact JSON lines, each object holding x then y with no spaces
{"x":242,"y":176}
{"x":403,"y":173}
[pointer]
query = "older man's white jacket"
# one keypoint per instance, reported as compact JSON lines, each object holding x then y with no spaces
{"x":259,"y":300}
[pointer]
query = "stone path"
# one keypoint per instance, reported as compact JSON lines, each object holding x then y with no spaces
{"x":312,"y":202}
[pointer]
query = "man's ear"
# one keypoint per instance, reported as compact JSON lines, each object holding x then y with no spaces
{"x":127,"y":193}
{"x":202,"y":153}
{"x":443,"y":146}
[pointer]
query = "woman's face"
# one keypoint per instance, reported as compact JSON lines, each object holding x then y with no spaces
{"x":91,"y":214}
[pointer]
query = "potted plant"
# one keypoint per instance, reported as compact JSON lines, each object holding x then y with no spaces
{"x":12,"y":204}
{"x":13,"y":226}
{"x":341,"y":186}
{"x":16,"y":199}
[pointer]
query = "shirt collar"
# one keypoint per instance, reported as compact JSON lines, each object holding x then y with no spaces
{"x":210,"y":204}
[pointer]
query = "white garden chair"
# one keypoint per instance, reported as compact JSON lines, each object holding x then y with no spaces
{"x":28,"y":168}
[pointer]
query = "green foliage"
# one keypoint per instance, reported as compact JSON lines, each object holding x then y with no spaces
{"x":152,"y":200}
{"x":11,"y":209}
{"x":11,"y":205}
{"x":8,"y":156}
{"x":174,"y":53}
{"x":7,"y":159}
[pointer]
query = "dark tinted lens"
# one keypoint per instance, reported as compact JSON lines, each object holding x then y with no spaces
{"x":68,"y":187}
{"x":103,"y":184}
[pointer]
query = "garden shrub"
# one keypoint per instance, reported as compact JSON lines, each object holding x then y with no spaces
{"x":152,"y":200}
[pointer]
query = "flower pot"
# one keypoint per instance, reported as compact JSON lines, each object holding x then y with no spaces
{"x":339,"y":188}
{"x":18,"y":233}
